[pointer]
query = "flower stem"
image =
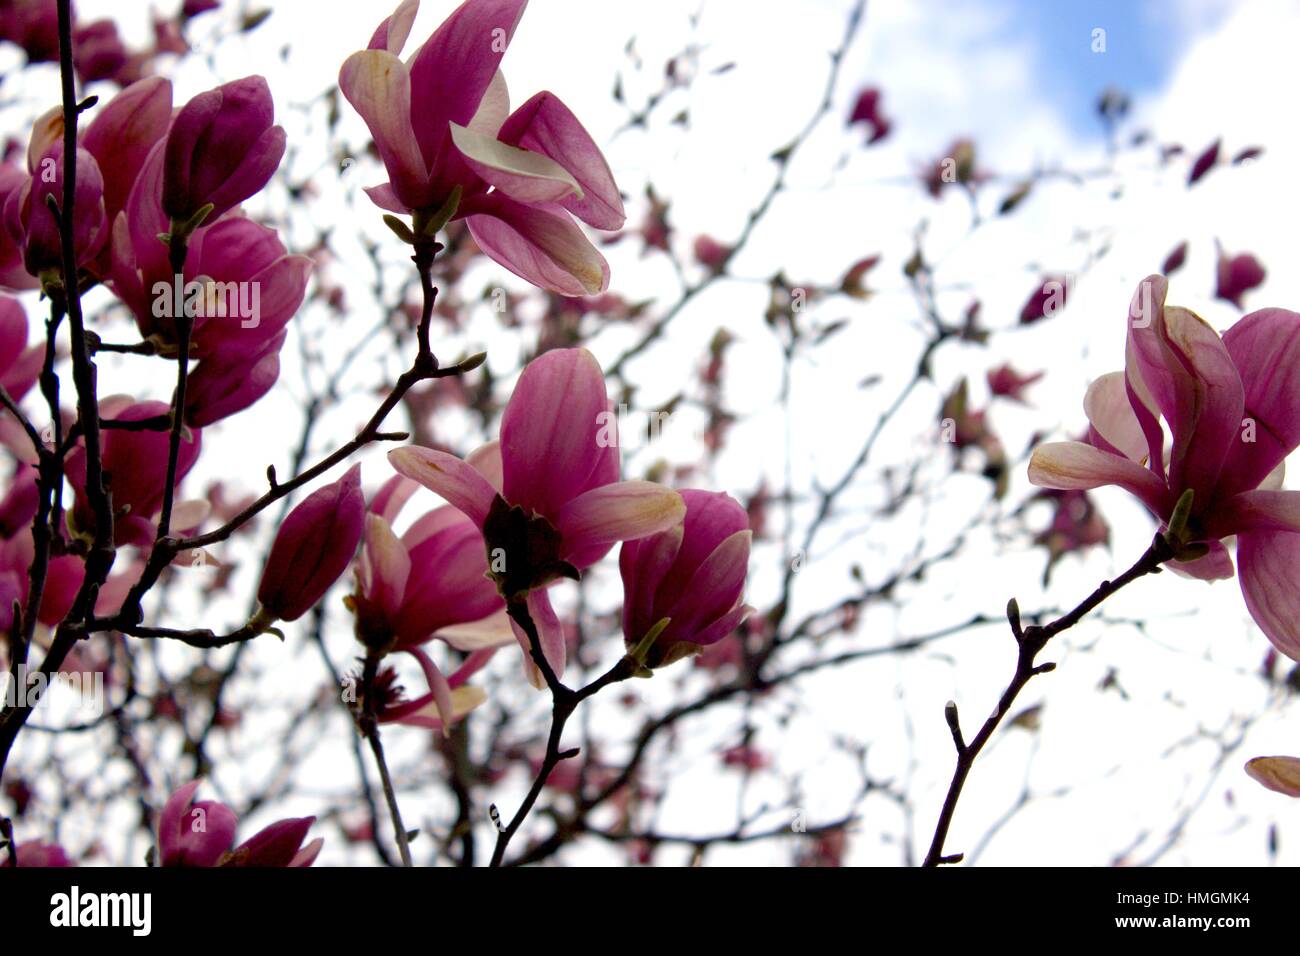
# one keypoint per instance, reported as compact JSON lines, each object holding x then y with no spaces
{"x":1030,"y":640}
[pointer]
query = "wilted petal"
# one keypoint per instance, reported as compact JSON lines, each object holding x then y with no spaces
{"x":1280,"y":774}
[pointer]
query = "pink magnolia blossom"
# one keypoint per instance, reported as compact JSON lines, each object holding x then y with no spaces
{"x":202,"y":833}
{"x":558,"y":464}
{"x":692,"y":574}
{"x":98,"y":52}
{"x":449,"y":698}
{"x":248,"y":288}
{"x":34,"y":26}
{"x":1006,"y":382}
{"x":222,"y":148}
{"x":1232,"y":405}
{"x":20,"y":364}
{"x":1237,"y":275}
{"x":37,"y":853}
{"x":124,"y":133}
{"x":441,"y":122}
{"x":31,"y":223}
{"x":313,"y":548}
{"x":866,"y":109}
{"x":136,"y":464}
{"x":14,"y":276}
{"x":434,"y":578}
{"x":1047,"y":299}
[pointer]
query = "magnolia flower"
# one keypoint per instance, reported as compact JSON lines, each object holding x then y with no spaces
{"x":240,"y":284}
{"x":866,"y":109}
{"x":1232,"y":405}
{"x":442,"y":122}
{"x":136,"y":466}
{"x":433,"y":578}
{"x":221,"y":149}
{"x":14,"y":277}
{"x":548,"y":496}
{"x":1236,"y":275}
{"x":201,"y":834}
{"x":122,"y":135}
{"x":36,"y":853}
{"x":1008,"y":383}
{"x":449,"y":698}
{"x":29,"y":220}
{"x":691,"y":575}
{"x":313,"y":548}
{"x":20,"y":365}
{"x":98,"y":52}
{"x":34,"y":26}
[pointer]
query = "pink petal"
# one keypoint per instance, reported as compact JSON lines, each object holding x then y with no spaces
{"x":378,"y":86}
{"x":1107,"y":406}
{"x":1265,"y":346}
{"x":716,"y":630}
{"x":391,"y":34}
{"x":486,"y":460}
{"x":551,"y":430}
{"x":623,"y":511}
{"x":447,"y":476}
{"x":721,"y":577}
{"x":1255,"y":511}
{"x":1214,"y":566}
{"x":643,"y":564}
{"x":522,"y":175}
{"x":1074,"y":465}
{"x":546,"y":126}
{"x":538,"y":245}
{"x":1267,"y":563}
{"x":388,"y":501}
{"x":550,"y":633}
{"x":1218,"y":408}
{"x":438,"y":687}
{"x":483,"y":635}
{"x":453,"y":70}
{"x":385,"y":566}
